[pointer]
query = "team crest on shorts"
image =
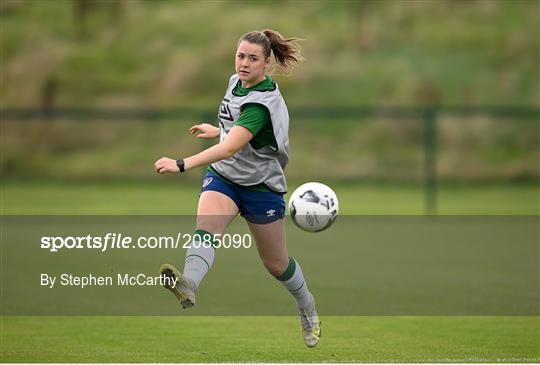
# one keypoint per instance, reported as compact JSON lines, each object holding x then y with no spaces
{"x":207,"y":182}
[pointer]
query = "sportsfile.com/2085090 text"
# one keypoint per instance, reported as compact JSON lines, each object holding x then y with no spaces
{"x":121,"y":241}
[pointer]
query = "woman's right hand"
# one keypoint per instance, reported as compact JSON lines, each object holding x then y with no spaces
{"x":206,"y":130}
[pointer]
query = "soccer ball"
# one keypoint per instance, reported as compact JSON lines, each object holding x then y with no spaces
{"x":313,"y":207}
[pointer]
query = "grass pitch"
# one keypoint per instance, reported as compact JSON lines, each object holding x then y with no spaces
{"x":264,"y":338}
{"x":269,"y":339}
{"x":171,"y":195}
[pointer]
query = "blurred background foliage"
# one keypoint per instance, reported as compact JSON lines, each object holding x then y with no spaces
{"x":160,"y":54}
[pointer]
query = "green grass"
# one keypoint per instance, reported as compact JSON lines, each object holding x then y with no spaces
{"x":348,"y":338}
{"x":269,"y":339}
{"x":380,"y":52}
{"x":174,"y":196}
{"x":363,"y":265}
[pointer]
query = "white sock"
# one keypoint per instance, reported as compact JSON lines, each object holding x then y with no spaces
{"x":199,"y":258}
{"x":293,"y":280}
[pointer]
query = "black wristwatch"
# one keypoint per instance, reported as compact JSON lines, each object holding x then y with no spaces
{"x":180,"y":164}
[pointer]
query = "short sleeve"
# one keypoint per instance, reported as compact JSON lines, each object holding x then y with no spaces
{"x":253,"y":117}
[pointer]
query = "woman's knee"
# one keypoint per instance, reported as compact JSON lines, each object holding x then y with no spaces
{"x":276,"y":267}
{"x":213,"y":226}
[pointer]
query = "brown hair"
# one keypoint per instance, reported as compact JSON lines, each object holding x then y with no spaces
{"x":286,"y":51}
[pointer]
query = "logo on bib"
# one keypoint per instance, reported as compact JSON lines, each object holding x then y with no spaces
{"x":224,"y":111}
{"x":206,"y":182}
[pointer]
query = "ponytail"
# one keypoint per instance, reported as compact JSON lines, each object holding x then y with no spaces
{"x":286,"y":51}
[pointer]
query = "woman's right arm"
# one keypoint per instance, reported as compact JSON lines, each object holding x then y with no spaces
{"x":237,"y":138}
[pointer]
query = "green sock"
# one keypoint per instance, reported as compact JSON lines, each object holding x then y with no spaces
{"x":293,"y":280}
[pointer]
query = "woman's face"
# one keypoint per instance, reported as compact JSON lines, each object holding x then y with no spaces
{"x":250,"y":63}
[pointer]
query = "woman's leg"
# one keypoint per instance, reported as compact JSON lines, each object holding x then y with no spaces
{"x":214,"y":214}
{"x":216,"y":211}
{"x":270,"y":239}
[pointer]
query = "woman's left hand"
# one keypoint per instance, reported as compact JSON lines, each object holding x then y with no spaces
{"x":166,"y":164}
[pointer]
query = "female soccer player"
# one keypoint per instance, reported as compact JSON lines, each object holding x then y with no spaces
{"x":246,"y":174}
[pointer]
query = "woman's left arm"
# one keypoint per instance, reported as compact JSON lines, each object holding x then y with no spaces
{"x":237,"y":138}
